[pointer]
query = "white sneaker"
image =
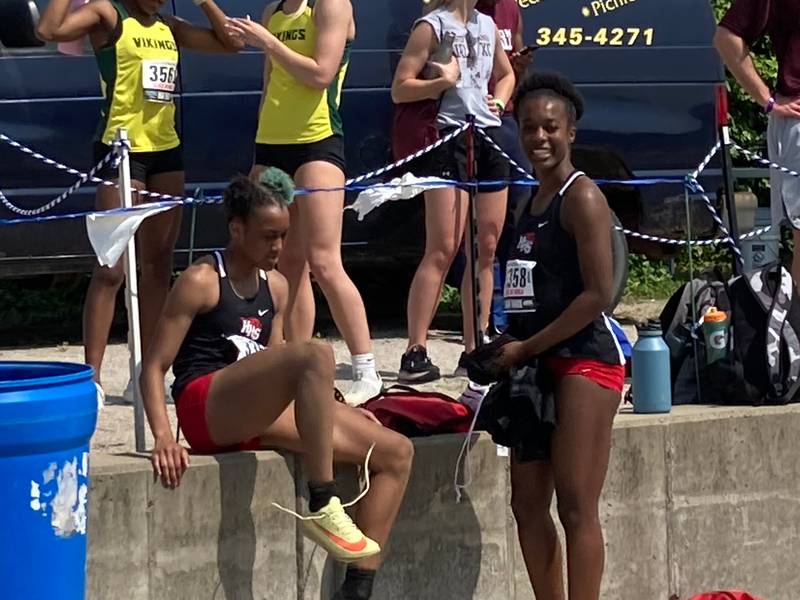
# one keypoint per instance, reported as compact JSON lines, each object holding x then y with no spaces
{"x":364,"y":389}
{"x":473,"y":395}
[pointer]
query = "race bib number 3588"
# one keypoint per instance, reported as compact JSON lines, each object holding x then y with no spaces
{"x":518,"y":293}
{"x":158,"y":79}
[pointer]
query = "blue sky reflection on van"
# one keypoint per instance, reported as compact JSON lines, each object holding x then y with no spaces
{"x":648,"y":75}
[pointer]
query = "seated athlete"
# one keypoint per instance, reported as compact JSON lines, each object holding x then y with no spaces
{"x":238,"y":386}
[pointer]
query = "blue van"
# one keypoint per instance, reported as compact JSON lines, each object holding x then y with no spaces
{"x":648,"y":75}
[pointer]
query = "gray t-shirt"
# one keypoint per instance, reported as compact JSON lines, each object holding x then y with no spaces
{"x":474,"y":47}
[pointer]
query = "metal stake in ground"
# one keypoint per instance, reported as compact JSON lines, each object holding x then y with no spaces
{"x":471,"y":241}
{"x":131,"y":294}
{"x":727,"y":173}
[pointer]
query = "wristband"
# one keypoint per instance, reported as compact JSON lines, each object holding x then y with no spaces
{"x":500,"y":104}
{"x":199,"y":2}
{"x":770,"y":105}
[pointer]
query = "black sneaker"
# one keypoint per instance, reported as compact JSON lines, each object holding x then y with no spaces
{"x":461,"y":369}
{"x":416,"y":367}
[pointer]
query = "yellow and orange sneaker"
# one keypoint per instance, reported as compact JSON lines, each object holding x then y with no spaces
{"x":333,"y":529}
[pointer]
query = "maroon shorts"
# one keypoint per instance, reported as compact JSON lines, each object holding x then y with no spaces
{"x":191,"y":409}
{"x":611,"y":377}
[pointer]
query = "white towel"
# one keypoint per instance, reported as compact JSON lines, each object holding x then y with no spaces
{"x":402,"y":188}
{"x":109,"y":233}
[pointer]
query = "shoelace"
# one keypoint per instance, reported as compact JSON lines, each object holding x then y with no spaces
{"x":464,"y":453}
{"x":357,"y":499}
{"x":343,"y":522}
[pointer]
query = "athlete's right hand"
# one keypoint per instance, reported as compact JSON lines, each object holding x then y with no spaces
{"x":787,"y":108}
{"x":170,"y":461}
{"x":450,"y":72}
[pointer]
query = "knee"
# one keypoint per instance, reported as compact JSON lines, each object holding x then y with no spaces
{"x":324,"y":265}
{"x":487,"y":247}
{"x":399,"y":456}
{"x":575,"y":514}
{"x":530,"y":511}
{"x":317,"y":358}
{"x":110,"y":276}
{"x":441,"y":256}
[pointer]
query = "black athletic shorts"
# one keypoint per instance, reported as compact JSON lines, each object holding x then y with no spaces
{"x":290,"y":157}
{"x":143,"y":164}
{"x":449,"y":161}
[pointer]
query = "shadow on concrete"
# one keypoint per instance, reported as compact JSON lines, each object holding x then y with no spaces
{"x":345,"y":371}
{"x":236,"y":549}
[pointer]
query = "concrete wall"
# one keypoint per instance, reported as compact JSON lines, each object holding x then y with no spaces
{"x":700,"y":500}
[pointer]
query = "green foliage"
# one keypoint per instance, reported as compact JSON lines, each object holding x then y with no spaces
{"x":40,"y":304}
{"x":450,"y":302}
{"x":650,"y":279}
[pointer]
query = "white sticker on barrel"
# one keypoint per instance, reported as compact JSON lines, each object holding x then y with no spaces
{"x":62,"y":496}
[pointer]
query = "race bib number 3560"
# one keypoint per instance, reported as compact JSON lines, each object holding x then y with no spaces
{"x":158,"y":79}
{"x":518,"y":294}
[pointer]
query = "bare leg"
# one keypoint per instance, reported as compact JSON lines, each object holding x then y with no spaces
{"x":581,"y":447}
{"x":491,"y":209}
{"x":155,"y":244}
{"x":390,"y":466}
{"x":531,"y":496}
{"x":445,"y":215}
{"x":321,"y":214}
{"x":98,"y":308}
{"x":301,"y":308}
{"x":247,"y":397}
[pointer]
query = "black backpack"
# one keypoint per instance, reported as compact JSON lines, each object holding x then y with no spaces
{"x":763,"y":361}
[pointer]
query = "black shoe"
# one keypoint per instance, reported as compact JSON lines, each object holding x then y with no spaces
{"x":416,"y":367}
{"x":461,"y":369}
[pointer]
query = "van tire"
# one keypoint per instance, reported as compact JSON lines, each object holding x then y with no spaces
{"x":619,"y":245}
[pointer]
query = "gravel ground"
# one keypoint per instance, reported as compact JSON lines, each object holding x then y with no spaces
{"x":115,"y":431}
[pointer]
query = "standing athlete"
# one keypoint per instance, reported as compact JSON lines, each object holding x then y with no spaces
{"x":307,"y":47}
{"x":137,"y":54}
{"x":463,"y":87}
{"x":558,"y":285}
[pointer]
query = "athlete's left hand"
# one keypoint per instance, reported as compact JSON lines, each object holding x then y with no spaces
{"x":494,"y":107}
{"x":369,"y":415}
{"x":250,"y":32}
{"x":511,"y":355}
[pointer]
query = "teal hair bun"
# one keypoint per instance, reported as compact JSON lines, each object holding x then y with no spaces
{"x":278,"y":182}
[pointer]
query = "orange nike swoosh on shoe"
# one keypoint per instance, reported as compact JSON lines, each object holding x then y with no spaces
{"x":350,"y":547}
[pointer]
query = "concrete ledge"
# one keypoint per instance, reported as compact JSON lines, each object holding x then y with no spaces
{"x":701,"y":499}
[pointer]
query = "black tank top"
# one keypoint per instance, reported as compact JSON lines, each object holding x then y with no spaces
{"x":543,"y":278}
{"x":236,"y":327}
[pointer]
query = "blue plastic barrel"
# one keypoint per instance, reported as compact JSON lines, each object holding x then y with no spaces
{"x":48,"y":413}
{"x":652,"y":388}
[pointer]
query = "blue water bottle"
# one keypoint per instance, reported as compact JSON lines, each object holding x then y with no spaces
{"x":652,"y":390}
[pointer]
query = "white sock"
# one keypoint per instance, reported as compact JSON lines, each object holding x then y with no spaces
{"x":473,"y":395}
{"x":364,"y":366}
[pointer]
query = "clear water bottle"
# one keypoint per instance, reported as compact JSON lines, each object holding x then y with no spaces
{"x":441,"y":55}
{"x":652,"y":390}
{"x":499,"y":319}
